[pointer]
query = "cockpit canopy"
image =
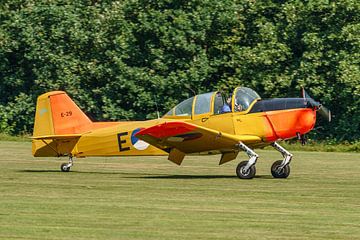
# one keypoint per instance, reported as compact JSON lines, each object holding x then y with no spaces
{"x":215,"y":103}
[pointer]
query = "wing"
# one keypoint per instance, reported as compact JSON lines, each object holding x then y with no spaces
{"x":179,"y":138}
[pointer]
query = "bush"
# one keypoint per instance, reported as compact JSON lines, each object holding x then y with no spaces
{"x":116,"y":57}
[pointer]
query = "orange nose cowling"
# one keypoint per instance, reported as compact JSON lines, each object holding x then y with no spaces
{"x":286,"y":123}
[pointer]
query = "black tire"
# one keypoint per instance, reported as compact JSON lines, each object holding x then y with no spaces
{"x":245,"y":175}
{"x":64,"y":167}
{"x":283,"y":173}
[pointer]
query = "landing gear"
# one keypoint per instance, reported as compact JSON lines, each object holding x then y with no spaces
{"x":281,"y":168}
{"x":280,"y":172}
{"x":246,"y":169}
{"x":242,"y":173}
{"x":65,"y":167}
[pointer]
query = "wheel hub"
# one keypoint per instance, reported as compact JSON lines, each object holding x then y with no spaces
{"x":245,"y":173}
{"x":279,"y":170}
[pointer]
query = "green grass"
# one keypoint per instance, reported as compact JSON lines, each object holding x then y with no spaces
{"x":151,"y":198}
{"x":22,"y":138}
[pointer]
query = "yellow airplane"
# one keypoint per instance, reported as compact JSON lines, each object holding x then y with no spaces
{"x":207,"y":123}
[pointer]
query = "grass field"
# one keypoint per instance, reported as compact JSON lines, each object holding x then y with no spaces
{"x":151,"y":198}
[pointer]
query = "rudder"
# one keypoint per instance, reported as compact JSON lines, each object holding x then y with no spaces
{"x":57,"y":114}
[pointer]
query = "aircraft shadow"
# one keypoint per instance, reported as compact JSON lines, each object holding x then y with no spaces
{"x":197,"y":177}
{"x":184,"y":177}
{"x":37,"y":171}
{"x":72,"y":172}
{"x":146,"y":175}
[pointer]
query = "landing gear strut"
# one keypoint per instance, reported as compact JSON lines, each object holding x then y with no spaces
{"x":246,"y":169}
{"x":65,"y":167}
{"x":281,"y":168}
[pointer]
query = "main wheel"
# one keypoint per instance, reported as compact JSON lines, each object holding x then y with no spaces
{"x":64,"y":167}
{"x":280,"y":173}
{"x":249,"y":174}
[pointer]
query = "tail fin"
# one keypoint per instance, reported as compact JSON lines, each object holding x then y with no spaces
{"x":57,"y":114}
{"x":59,"y":123}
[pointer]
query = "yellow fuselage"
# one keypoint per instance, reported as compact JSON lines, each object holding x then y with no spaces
{"x":118,"y":139}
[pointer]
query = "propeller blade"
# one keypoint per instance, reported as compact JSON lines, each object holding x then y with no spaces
{"x":304,"y":94}
{"x":309,"y":100}
{"x":325,"y":113}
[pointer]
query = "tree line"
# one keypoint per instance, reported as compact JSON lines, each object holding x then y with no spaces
{"x":122,"y":60}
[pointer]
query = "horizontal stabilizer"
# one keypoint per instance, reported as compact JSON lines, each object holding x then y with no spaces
{"x":54,"y":145}
{"x":59,"y":137}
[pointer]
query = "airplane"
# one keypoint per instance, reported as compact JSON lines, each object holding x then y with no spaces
{"x":210,"y":123}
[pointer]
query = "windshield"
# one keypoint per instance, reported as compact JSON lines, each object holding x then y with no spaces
{"x":184,"y":108}
{"x":243,"y":98}
{"x":203,"y":103}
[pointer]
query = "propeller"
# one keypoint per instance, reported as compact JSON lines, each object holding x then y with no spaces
{"x":321,"y":109}
{"x":325,"y":113}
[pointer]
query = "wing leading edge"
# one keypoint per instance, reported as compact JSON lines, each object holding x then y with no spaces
{"x":180,"y":138}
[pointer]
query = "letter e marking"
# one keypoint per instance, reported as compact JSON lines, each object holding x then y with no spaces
{"x":121,"y":142}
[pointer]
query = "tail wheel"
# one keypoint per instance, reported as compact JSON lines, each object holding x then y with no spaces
{"x":64,"y":167}
{"x":279,"y":172}
{"x":241,"y":173}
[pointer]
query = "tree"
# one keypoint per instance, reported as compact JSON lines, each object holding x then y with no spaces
{"x":124,"y":59}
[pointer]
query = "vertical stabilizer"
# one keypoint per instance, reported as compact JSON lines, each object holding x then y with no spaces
{"x":58,"y":123}
{"x":57,"y":114}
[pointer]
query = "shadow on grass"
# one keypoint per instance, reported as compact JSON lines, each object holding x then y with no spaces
{"x":197,"y":177}
{"x":146,"y":175}
{"x":38,"y":171}
{"x":71,"y":172}
{"x":183,"y":176}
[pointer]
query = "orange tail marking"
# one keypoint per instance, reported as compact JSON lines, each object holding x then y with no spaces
{"x":67,"y":116}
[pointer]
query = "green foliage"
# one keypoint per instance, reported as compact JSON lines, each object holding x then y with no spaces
{"x":118,"y":58}
{"x":14,"y":117}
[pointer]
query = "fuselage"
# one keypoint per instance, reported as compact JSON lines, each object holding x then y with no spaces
{"x":270,"y":120}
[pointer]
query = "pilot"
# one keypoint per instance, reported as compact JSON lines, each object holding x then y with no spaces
{"x":226,"y":107}
{"x":238,"y":106}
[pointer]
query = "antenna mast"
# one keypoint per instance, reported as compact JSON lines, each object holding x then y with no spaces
{"x":157,"y":109}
